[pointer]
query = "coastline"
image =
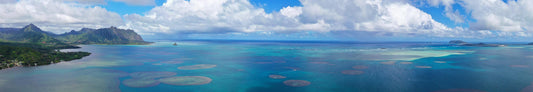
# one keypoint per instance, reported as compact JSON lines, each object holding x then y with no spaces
{"x":26,"y":54}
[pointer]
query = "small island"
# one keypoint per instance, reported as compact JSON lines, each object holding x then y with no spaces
{"x":463,"y":43}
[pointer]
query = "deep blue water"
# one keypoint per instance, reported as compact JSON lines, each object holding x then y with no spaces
{"x":241,"y":66}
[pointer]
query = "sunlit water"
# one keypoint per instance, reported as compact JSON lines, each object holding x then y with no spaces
{"x":246,"y":66}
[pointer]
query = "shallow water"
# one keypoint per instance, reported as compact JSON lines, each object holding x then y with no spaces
{"x":246,"y":66}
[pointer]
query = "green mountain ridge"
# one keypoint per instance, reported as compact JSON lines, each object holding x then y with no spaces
{"x":33,"y":34}
{"x":110,"y":35}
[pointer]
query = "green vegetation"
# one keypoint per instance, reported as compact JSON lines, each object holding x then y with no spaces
{"x":33,"y":34}
{"x":31,"y":46}
{"x":26,"y":54}
{"x":111,"y":35}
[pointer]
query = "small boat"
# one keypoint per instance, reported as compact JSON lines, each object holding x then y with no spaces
{"x":175,"y":44}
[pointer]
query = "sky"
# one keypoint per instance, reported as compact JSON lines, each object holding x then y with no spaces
{"x":327,"y":20}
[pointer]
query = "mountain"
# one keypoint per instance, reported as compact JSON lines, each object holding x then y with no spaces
{"x":110,"y":35}
{"x":34,"y":35}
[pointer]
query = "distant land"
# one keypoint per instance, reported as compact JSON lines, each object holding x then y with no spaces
{"x":33,"y":34}
{"x":110,"y":35}
{"x":31,"y":46}
{"x":463,"y":43}
{"x":14,"y":54}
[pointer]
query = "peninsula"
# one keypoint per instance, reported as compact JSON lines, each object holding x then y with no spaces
{"x":31,"y":46}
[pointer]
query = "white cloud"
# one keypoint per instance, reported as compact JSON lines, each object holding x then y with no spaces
{"x":213,"y":16}
{"x":200,"y":16}
{"x":56,"y":16}
{"x":510,"y":17}
{"x":138,"y":2}
{"x":401,"y":17}
{"x":291,"y":11}
{"x":500,"y":16}
{"x":7,"y":1}
{"x":94,"y":2}
{"x":382,"y":17}
{"x":446,"y":3}
{"x":455,"y":16}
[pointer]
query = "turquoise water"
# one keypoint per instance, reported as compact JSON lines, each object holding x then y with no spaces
{"x":246,"y":66}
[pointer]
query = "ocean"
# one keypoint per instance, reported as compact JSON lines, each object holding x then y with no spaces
{"x":281,"y":66}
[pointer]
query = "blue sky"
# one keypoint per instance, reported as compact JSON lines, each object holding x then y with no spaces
{"x":123,"y":8}
{"x":438,"y":15}
{"x":346,"y":20}
{"x":274,"y":5}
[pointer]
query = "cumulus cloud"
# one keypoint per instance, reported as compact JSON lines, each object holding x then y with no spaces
{"x":56,"y":16}
{"x":7,"y":1}
{"x":494,"y":15}
{"x":138,"y":2}
{"x":493,"y":18}
{"x":501,"y":16}
{"x":221,"y":16}
{"x":291,"y":11}
{"x":214,"y":16}
{"x":378,"y":17}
